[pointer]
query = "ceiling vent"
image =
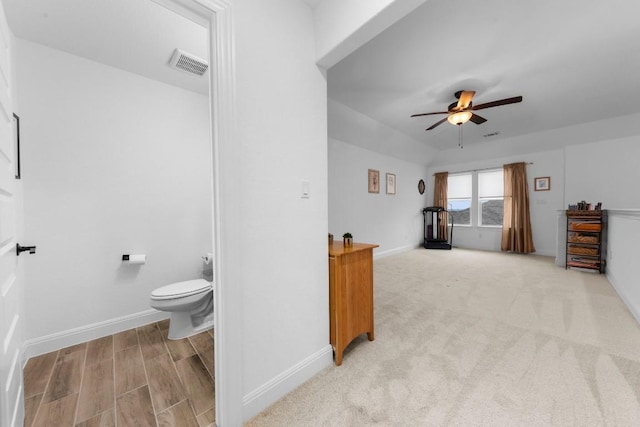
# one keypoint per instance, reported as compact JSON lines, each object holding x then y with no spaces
{"x":188,"y":63}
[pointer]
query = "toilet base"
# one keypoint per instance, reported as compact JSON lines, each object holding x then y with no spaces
{"x":181,"y":325}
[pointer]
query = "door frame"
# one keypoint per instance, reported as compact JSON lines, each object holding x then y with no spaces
{"x":216,"y":15}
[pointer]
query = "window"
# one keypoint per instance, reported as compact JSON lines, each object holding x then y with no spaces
{"x":476,"y":198}
{"x":459,"y":194}
{"x":490,"y":197}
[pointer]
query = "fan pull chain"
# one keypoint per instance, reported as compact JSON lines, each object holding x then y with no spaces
{"x":460,"y":137}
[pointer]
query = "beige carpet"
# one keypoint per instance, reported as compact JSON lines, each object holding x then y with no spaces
{"x":480,"y":338}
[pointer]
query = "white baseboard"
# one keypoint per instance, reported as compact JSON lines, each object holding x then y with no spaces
{"x":544,"y":252}
{"x":59,"y":340}
{"x":623,"y":296}
{"x":267,"y":394}
{"x":396,"y":251}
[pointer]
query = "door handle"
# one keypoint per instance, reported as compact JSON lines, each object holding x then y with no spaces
{"x":19,"y":249}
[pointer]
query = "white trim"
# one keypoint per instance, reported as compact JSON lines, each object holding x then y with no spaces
{"x":48,"y":343}
{"x":623,"y":296}
{"x":12,"y":370}
{"x":551,"y":254}
{"x":268,"y":393}
{"x":187,"y":9}
{"x":624,"y":213}
{"x":16,"y":409}
{"x":395,"y":251}
{"x":4,"y":29}
{"x":7,"y":246}
{"x":9,"y":336}
{"x":8,"y":284}
{"x":617,"y":212}
{"x":217,"y":15}
{"x":228,"y":293}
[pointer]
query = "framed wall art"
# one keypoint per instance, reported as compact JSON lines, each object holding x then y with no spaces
{"x":374,"y":181}
{"x":542,"y":183}
{"x":391,"y":183}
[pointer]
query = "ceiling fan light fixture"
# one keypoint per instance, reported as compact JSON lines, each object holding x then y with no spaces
{"x":460,"y":117}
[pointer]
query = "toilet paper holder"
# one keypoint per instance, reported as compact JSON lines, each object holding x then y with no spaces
{"x":207,"y":258}
{"x":134,"y":259}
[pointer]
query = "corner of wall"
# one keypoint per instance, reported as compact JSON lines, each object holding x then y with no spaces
{"x":271,"y":391}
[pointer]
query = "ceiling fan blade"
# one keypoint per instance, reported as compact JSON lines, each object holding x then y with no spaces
{"x":477,"y":119}
{"x":437,"y":124}
{"x":505,"y":101}
{"x":465,"y":99}
{"x":430,"y":114}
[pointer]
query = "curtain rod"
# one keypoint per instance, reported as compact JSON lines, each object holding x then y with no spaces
{"x":482,"y":169}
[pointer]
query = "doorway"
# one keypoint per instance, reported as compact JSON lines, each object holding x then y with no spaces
{"x":213,"y":13}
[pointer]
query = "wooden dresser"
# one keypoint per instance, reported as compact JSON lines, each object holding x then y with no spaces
{"x":350,"y":294}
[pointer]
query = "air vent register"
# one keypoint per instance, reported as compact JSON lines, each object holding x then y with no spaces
{"x":188,"y":63}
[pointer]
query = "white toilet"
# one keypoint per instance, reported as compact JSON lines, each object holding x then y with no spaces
{"x":190,"y":304}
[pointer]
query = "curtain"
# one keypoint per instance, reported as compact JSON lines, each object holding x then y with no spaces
{"x":440,"y":199}
{"x":516,"y":223}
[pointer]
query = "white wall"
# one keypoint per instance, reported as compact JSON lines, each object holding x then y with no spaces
{"x":394,"y":222}
{"x":549,"y":140}
{"x":593,"y":161}
{"x":605,"y":171}
{"x":277,"y":253}
{"x":342,"y":26}
{"x":358,"y":143}
{"x":353,"y":127}
{"x":113,"y":163}
{"x":543,"y":205}
{"x":622,"y":256}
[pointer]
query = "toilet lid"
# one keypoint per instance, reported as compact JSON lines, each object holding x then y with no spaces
{"x":181,"y":289}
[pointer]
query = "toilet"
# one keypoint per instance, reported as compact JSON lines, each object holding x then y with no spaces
{"x":190,"y":304}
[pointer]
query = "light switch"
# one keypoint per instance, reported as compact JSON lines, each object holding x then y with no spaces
{"x":305,"y":189}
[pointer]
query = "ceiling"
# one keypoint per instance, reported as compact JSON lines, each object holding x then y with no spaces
{"x":312,"y":3}
{"x":572,"y":61}
{"x":133,"y":35}
{"x":138,"y":36}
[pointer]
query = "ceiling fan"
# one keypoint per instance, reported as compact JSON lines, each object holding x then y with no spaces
{"x":462,"y":111}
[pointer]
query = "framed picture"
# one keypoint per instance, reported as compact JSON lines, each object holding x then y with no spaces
{"x":374,"y":181}
{"x":391,"y":183}
{"x":542,"y":183}
{"x":421,"y":186}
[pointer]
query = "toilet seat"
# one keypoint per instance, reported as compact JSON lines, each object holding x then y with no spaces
{"x":181,"y":289}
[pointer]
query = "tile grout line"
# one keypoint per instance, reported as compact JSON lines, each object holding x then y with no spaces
{"x":186,"y":399}
{"x":84,"y":366}
{"x":182,"y":381}
{"x":35,"y":416}
{"x":175,"y":367}
{"x":203,"y":361}
{"x":113,"y":367}
{"x":206,"y":368}
{"x":146,"y":375}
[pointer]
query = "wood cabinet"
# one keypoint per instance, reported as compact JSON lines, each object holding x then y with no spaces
{"x":350,"y":294}
{"x":586,"y":240}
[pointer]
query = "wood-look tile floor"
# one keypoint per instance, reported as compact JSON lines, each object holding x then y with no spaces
{"x":134,"y":378}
